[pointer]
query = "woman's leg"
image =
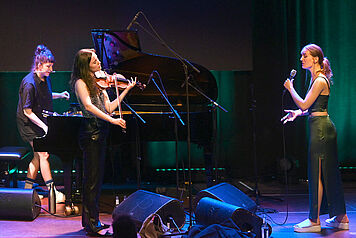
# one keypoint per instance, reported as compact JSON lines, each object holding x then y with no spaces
{"x":93,"y":158}
{"x":39,"y":161}
{"x":312,"y":224}
{"x":320,"y":193}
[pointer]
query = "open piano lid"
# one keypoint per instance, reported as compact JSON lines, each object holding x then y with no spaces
{"x":120,"y":52}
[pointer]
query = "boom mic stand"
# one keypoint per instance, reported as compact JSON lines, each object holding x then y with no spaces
{"x":185,"y":64}
{"x":138,"y":144}
{"x":176,"y":118}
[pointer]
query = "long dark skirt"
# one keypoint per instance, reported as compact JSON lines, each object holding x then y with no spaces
{"x":323,"y":148}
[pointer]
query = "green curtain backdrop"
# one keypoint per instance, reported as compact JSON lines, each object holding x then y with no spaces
{"x":281,"y":29}
{"x":331,"y":25}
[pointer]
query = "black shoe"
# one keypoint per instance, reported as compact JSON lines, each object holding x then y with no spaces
{"x":100,"y":233}
{"x":104,"y":226}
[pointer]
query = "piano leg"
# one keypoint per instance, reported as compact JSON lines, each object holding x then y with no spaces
{"x":67,"y":179}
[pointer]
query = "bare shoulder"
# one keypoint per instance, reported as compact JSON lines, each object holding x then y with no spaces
{"x":79,"y":83}
{"x":323,"y":83}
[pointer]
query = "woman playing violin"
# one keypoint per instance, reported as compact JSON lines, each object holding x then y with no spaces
{"x":96,"y":107}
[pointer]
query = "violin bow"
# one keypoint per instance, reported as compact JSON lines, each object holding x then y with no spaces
{"x":118,"y":102}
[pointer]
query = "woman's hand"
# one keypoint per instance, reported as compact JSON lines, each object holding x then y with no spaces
{"x":132,"y":83}
{"x":65,"y":95}
{"x":119,"y":122}
{"x":288,"y":84}
{"x":291,"y":115}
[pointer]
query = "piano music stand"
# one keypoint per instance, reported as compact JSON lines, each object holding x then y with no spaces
{"x":106,"y":43}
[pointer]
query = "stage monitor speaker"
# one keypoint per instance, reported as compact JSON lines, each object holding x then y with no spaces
{"x":211,"y":211}
{"x":142,"y":203}
{"x":227,"y":193}
{"x":19,"y":204}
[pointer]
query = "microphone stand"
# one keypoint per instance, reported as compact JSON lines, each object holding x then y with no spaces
{"x":215,"y":104}
{"x":138,"y":145}
{"x":176,"y":142}
{"x":185,"y":64}
{"x":175,"y":113}
{"x":177,"y":118}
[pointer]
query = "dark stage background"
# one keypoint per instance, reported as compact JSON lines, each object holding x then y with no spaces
{"x":217,"y":34}
{"x":249,"y":46}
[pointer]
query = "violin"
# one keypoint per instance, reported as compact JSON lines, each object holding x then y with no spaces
{"x":104,"y":80}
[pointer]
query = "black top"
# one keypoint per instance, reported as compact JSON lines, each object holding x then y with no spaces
{"x":37,"y":95}
{"x":321,"y":102}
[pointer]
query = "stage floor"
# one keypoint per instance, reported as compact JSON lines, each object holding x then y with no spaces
{"x":49,"y":226}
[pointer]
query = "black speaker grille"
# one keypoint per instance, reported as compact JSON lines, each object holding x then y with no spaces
{"x":142,"y":203}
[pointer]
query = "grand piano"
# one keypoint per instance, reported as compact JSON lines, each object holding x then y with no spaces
{"x":120,"y":52}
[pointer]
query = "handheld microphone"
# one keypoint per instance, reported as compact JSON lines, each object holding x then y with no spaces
{"x":292,"y":74}
{"x":133,"y":20}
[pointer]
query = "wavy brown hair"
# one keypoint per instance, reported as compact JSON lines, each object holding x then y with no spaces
{"x":81,"y":70}
{"x":324,"y":63}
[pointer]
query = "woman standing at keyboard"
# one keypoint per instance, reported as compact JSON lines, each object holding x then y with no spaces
{"x":35,"y":95}
{"x":325,"y":186}
{"x":96,"y":107}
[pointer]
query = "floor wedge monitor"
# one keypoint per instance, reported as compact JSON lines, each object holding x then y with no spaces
{"x":210,"y":211}
{"x":225,"y":192}
{"x":142,"y":203}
